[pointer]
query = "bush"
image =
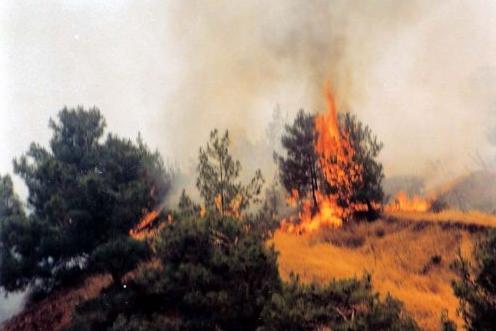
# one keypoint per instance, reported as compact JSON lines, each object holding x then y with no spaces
{"x":217,"y":274}
{"x":118,"y":257}
{"x":476,"y":287}
{"x":210,"y":274}
{"x":339,"y":305}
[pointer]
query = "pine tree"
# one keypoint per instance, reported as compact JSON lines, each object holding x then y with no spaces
{"x":83,"y":192}
{"x":299,"y":167}
{"x":218,"y":178}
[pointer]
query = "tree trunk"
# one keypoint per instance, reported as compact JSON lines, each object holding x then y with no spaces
{"x":313,"y":180}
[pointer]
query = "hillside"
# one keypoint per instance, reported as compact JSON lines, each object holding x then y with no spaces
{"x":407,"y":254}
{"x":409,"y":259}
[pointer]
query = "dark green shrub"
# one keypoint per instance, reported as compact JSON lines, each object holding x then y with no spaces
{"x":476,"y":288}
{"x":118,"y":257}
{"x":209,"y":274}
{"x":216,"y":273}
{"x":339,"y":305}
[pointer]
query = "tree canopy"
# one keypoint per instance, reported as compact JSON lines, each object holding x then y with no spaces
{"x":301,"y":169}
{"x":367,"y":147}
{"x":84,"y":190}
{"x":218,"y":178}
{"x":10,"y":205}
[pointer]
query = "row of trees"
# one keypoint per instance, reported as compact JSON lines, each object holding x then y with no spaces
{"x":87,"y":190}
{"x":210,"y":272}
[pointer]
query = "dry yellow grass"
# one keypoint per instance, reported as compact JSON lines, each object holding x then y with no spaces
{"x":399,"y":256}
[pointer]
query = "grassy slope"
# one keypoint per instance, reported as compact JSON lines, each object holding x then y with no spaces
{"x":397,"y":253}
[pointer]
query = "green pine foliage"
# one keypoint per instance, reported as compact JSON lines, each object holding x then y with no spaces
{"x":119,"y":256}
{"x":268,"y":218}
{"x":16,"y":234}
{"x":84,"y":190}
{"x":367,"y":147}
{"x":300,"y":168}
{"x":10,"y":205}
{"x":186,"y":206}
{"x":215,"y":274}
{"x":348,"y":304}
{"x":218,"y":178}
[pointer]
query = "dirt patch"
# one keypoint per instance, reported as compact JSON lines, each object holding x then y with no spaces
{"x":54,"y":312}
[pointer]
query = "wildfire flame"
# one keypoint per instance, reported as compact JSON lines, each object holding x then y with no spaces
{"x":233,"y":209}
{"x":341,"y":174}
{"x":336,"y":156}
{"x":144,"y":228}
{"x":402,"y":202}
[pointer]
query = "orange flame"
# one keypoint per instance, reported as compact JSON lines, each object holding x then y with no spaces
{"x":329,"y":215}
{"x":292,"y":200}
{"x":233,"y":209}
{"x":143,"y":228}
{"x":402,"y":202}
{"x":341,"y":174}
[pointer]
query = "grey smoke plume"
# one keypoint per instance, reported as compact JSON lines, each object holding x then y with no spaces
{"x":421,"y":74}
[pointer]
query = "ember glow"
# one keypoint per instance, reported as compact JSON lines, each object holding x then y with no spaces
{"x":341,"y":175}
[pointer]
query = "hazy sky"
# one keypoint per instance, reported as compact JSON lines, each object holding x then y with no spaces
{"x":421,"y":74}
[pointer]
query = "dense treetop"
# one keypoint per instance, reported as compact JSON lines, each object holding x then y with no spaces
{"x":84,"y":190}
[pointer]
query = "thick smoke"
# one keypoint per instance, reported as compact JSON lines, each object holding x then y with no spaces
{"x":421,"y":74}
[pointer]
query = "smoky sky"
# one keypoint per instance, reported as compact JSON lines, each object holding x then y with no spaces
{"x":422,"y":74}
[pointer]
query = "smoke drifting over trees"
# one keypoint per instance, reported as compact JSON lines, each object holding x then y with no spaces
{"x":419,"y":75}
{"x":422,"y":75}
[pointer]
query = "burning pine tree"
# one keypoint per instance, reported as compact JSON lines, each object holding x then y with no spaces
{"x":330,"y":169}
